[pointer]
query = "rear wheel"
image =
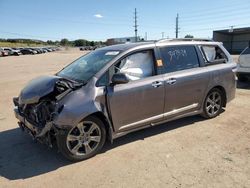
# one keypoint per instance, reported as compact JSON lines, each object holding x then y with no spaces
{"x":82,"y":141}
{"x":213,"y":104}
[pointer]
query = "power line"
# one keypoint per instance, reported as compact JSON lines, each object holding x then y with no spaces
{"x":214,"y":28}
{"x":236,"y":5}
{"x":26,"y":35}
{"x":217,"y":15}
{"x":229,"y":20}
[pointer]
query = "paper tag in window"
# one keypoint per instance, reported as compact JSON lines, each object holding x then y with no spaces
{"x":112,"y":53}
{"x":159,"y":63}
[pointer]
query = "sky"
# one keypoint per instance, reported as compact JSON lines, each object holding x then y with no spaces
{"x":102,"y":19}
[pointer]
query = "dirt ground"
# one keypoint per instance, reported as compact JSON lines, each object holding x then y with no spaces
{"x":191,"y":152}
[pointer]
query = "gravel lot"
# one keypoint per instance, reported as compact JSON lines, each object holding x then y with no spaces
{"x":191,"y":152}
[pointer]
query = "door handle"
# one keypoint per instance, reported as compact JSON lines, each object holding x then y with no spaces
{"x":157,"y":84}
{"x":171,"y":81}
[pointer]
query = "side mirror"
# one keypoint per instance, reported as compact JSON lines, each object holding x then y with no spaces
{"x":119,"y":78}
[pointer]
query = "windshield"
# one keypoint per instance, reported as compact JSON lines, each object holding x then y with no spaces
{"x":88,"y":65}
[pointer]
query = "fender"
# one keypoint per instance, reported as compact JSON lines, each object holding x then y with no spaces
{"x":82,"y":103}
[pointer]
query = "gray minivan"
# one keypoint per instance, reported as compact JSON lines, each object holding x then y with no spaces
{"x":118,"y":89}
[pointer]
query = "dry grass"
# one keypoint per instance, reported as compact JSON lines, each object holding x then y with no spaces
{"x":11,"y":44}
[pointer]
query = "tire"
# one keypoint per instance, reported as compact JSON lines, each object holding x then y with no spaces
{"x":80,"y":143}
{"x":242,"y":78}
{"x":212,"y":106}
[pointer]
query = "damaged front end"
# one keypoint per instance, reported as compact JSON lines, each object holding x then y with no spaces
{"x":38,"y":105}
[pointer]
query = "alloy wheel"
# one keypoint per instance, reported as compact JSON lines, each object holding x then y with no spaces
{"x":84,"y":138}
{"x":213,"y":103}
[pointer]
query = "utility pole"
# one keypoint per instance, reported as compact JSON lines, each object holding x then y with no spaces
{"x":135,"y":26}
{"x":162,"y":35}
{"x":177,"y":26}
{"x":146,"y":36}
{"x":231,"y":29}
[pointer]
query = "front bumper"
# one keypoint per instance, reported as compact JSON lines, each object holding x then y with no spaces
{"x":243,"y":70}
{"x":35,"y":131}
{"x":25,"y":125}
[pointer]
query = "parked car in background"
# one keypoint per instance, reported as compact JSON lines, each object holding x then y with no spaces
{"x":43,"y":50}
{"x":82,"y":48}
{"x":49,"y":50}
{"x":243,"y":71}
{"x":3,"y":52}
{"x":12,"y":51}
{"x":39,"y":51}
{"x":26,"y":51}
{"x":119,"y":89}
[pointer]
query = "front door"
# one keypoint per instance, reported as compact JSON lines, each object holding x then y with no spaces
{"x":140,"y":101}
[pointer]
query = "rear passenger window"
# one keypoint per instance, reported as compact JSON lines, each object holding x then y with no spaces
{"x":178,"y":58}
{"x":213,"y":54}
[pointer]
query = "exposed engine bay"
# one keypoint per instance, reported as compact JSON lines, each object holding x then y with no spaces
{"x":37,"y":106}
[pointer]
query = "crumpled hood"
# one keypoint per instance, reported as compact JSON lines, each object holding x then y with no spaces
{"x":37,"y":88}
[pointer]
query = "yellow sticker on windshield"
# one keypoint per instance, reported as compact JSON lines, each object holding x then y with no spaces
{"x":159,"y":63}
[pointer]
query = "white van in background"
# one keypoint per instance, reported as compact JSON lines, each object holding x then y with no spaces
{"x":243,"y":70}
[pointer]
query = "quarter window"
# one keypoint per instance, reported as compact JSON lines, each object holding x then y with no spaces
{"x":104,"y":80}
{"x":177,"y":58}
{"x":213,"y":53}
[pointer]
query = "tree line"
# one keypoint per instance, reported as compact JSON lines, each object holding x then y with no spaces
{"x":80,"y":42}
{"x":63,"y":42}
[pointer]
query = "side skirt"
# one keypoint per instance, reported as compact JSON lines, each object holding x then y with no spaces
{"x":120,"y":134}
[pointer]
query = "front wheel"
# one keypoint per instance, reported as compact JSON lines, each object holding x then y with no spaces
{"x":82,"y":141}
{"x":213,"y":104}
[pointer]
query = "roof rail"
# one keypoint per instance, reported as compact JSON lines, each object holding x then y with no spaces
{"x":186,"y":39}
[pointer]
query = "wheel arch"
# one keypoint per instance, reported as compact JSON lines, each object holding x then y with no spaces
{"x":224,"y":94}
{"x":108,"y":127}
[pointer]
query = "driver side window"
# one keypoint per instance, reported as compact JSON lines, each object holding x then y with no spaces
{"x":136,"y":66}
